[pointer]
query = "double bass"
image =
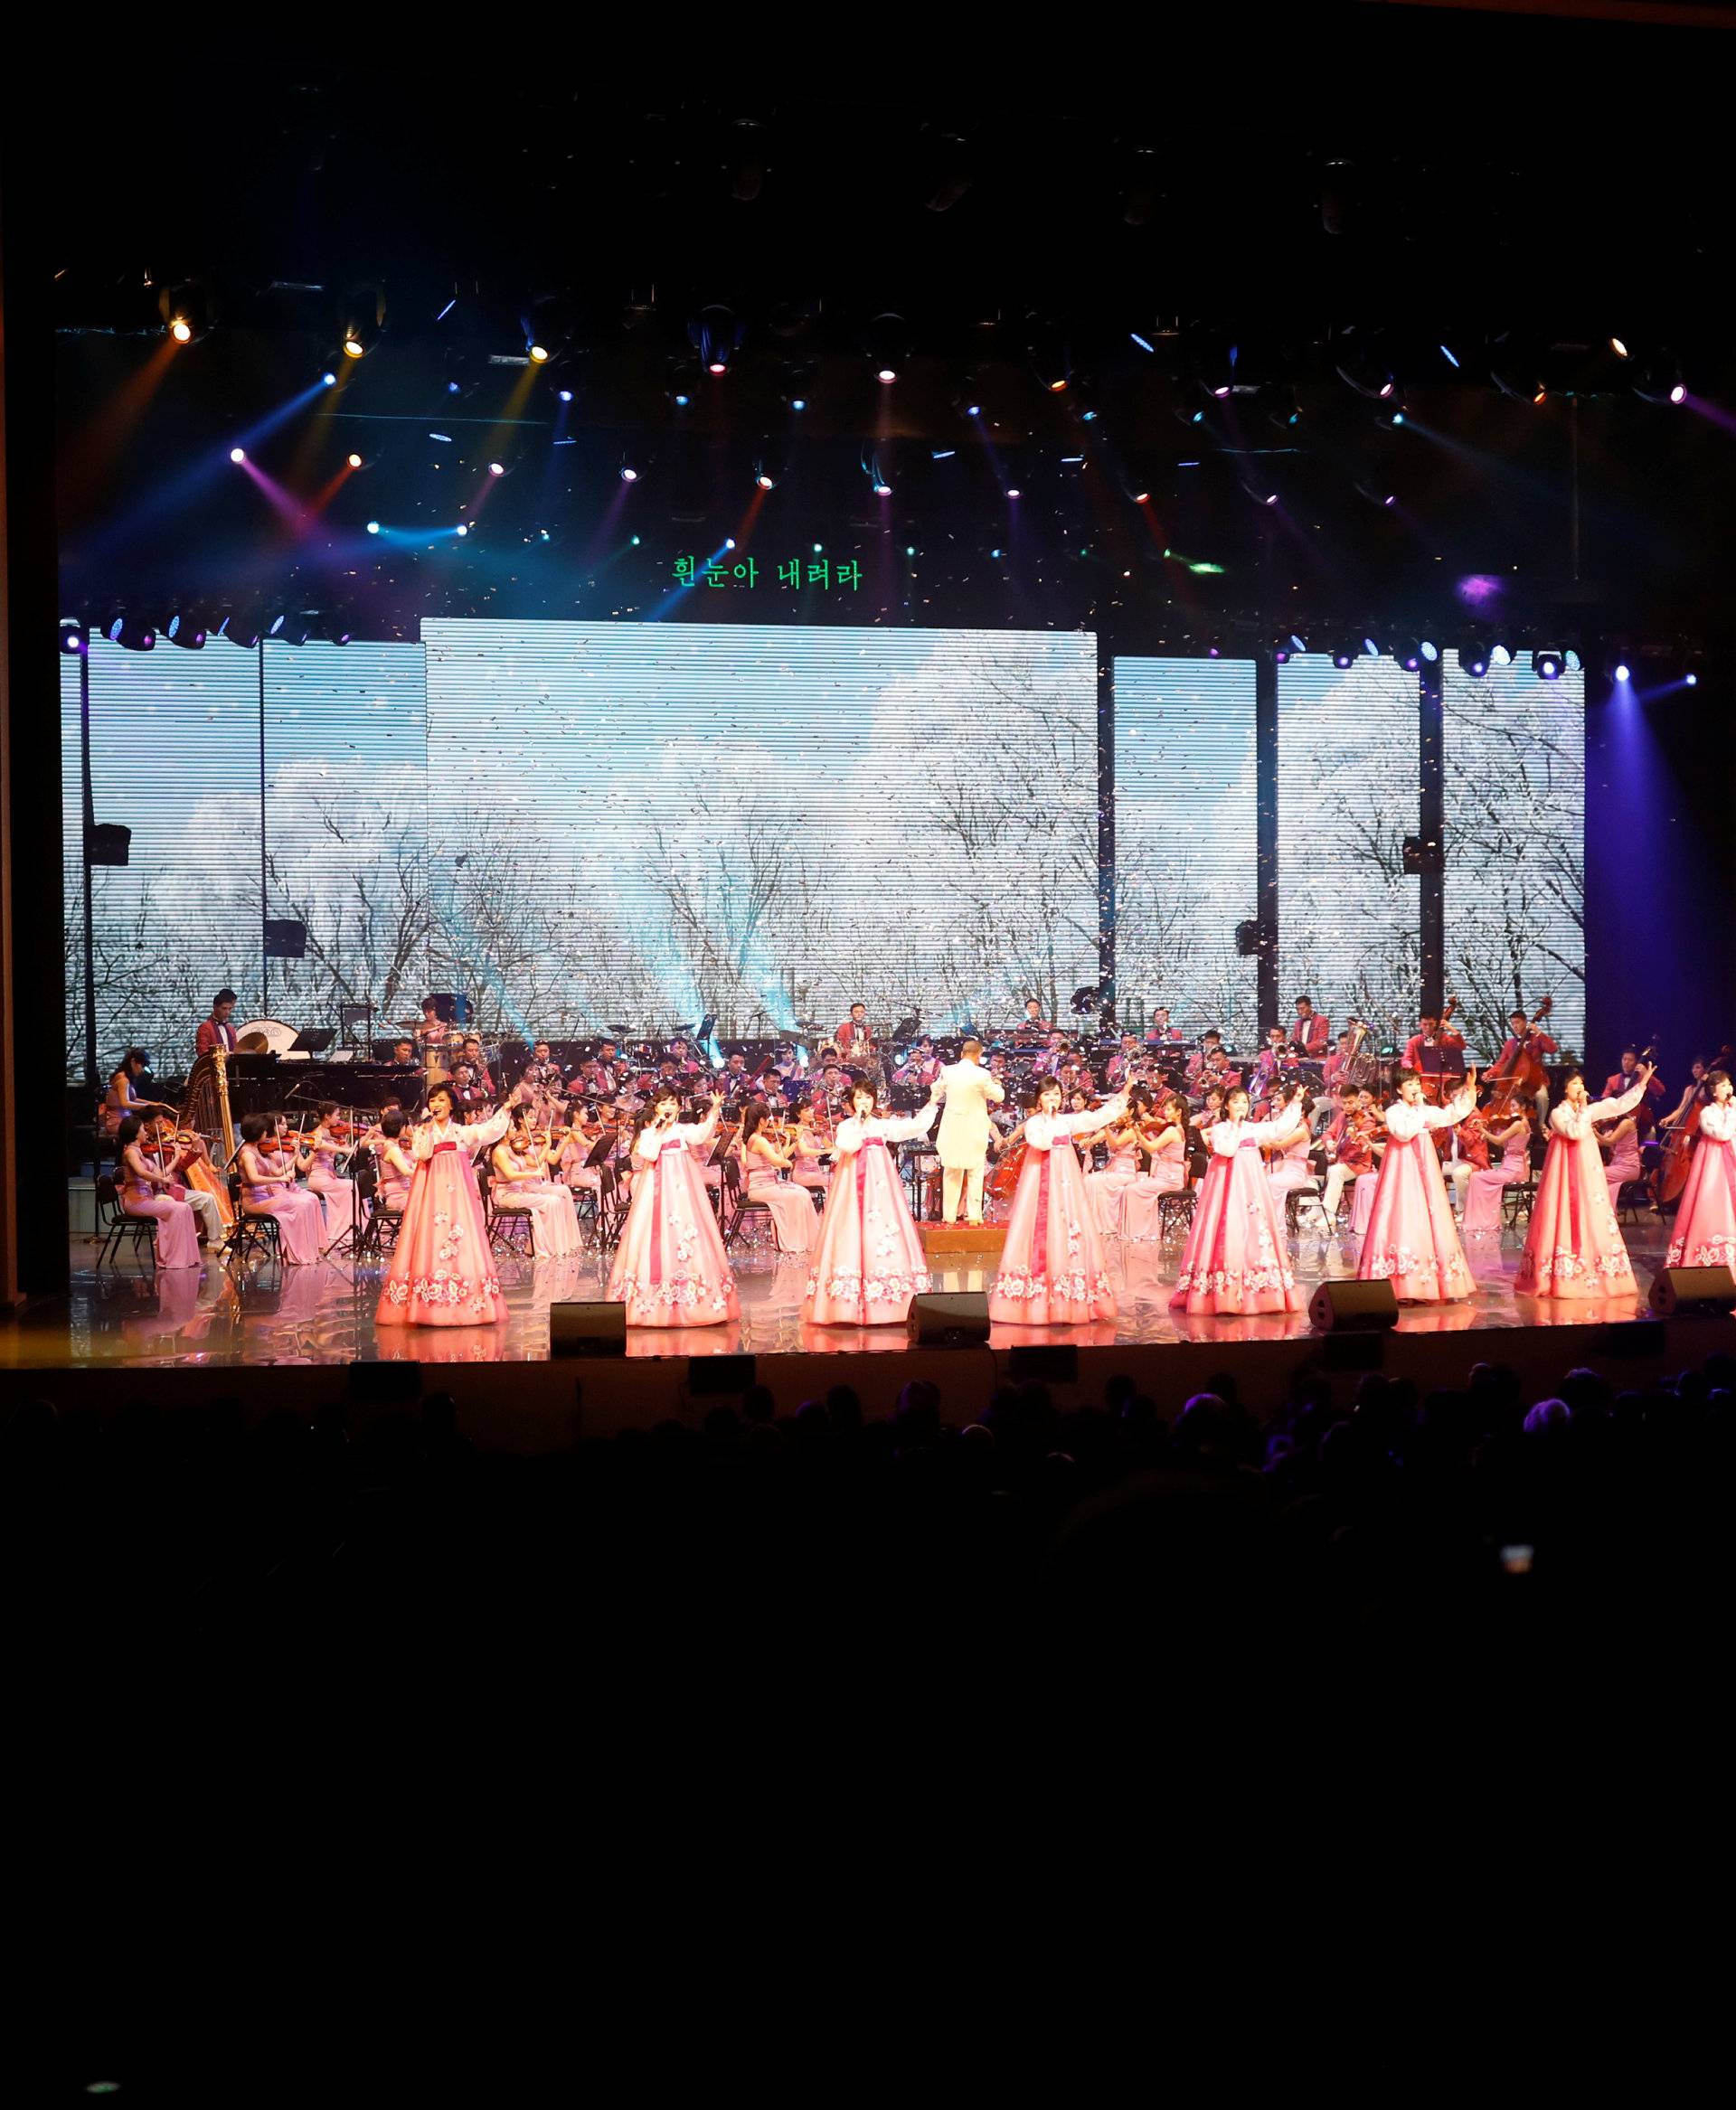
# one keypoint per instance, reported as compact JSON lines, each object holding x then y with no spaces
{"x":1671,"y":1172}
{"x":1527,"y":1076}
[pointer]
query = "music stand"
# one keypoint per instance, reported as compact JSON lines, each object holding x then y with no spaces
{"x":314,"y":1042}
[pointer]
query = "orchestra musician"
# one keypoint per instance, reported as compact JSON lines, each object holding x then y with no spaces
{"x":433,"y":1036}
{"x":1523,"y":1052}
{"x":216,"y":1031}
{"x":855,"y":1039}
{"x":1626,"y":1076}
{"x":1033,"y":1026}
{"x":478,"y":1068}
{"x":183,"y":1155}
{"x":920,"y":1066}
{"x":145,"y":1188}
{"x":120,"y":1101}
{"x":1312,"y":1031}
{"x":1159,"y":1032}
{"x":1432,"y":1034}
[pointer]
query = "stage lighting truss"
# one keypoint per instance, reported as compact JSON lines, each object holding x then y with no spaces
{"x":716,"y":334}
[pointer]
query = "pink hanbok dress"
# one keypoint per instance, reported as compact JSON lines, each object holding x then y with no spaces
{"x":1483,"y":1195}
{"x":793,"y":1221}
{"x":554,"y":1225}
{"x":301,"y":1219}
{"x":1106,"y":1189}
{"x":1705,"y":1218}
{"x":1290,"y":1168}
{"x":1573,"y":1245}
{"x":1236,"y":1259}
{"x":442,"y":1272}
{"x":177,"y":1232}
{"x":1142,"y":1201}
{"x":870,"y":1262}
{"x":670,"y":1268}
{"x":1412,"y":1241}
{"x":1622,"y":1165}
{"x":1051,"y":1266}
{"x":336,"y":1196}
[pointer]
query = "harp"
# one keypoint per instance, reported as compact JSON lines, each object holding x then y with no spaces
{"x":206,"y":1105}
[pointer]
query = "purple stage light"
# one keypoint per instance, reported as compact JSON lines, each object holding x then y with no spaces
{"x":1478,"y":589}
{"x":1678,"y":394}
{"x":238,"y":454}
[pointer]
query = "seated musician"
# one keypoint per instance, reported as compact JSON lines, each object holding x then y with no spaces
{"x":177,"y":1152}
{"x":216,"y":1031}
{"x":1214,"y":1070}
{"x":1211,"y":1043}
{"x":403,"y":1054}
{"x":1159,"y":1032}
{"x":1525,"y":1049}
{"x":120,"y":1099}
{"x":920,"y":1066}
{"x":1331,"y":1068}
{"x":1312,"y":1031}
{"x":469,"y":1101}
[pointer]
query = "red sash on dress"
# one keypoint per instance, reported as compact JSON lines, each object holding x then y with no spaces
{"x":862,"y":1163}
{"x":439,"y":1147}
{"x":1040,"y":1229}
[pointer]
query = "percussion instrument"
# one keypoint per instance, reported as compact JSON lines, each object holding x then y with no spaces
{"x":265,"y":1036}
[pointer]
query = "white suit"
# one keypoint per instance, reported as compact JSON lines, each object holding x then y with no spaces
{"x":967,"y":1091}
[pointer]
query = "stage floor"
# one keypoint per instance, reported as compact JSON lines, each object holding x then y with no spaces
{"x":122,"y":1318}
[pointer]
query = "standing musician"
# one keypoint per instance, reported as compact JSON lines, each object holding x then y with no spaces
{"x":1312,"y":1031}
{"x":855,"y":1041}
{"x":1159,"y":1032}
{"x":216,"y":1031}
{"x":1277,"y":1056}
{"x":433,"y":1037}
{"x":1332,"y":1068}
{"x":478,"y":1068}
{"x":546,"y":1080}
{"x":1445,"y":1054}
{"x":1522,"y":1056}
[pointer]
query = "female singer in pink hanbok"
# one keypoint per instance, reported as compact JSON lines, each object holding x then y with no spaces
{"x":1235,"y":1260}
{"x":1705,"y":1217}
{"x":268,"y":1189}
{"x":1483,"y":1195}
{"x":442,"y":1272}
{"x":870,"y":1263}
{"x":1051,"y":1266}
{"x":1412,"y":1241}
{"x":144,"y":1188}
{"x":670,"y":1268}
{"x":1573,"y":1245}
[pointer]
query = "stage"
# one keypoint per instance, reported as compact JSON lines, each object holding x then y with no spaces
{"x":122,"y":1337}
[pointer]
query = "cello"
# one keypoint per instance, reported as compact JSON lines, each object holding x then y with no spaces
{"x":1671,"y":1174}
{"x":1527,"y":1076}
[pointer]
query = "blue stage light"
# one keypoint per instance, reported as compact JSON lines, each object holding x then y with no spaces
{"x":373,"y":527}
{"x":1622,"y":671}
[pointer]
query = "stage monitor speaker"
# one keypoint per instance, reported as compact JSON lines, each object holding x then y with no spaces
{"x":950,"y":1319}
{"x":1692,"y":1289}
{"x":588,"y":1328}
{"x":1364,"y":1306}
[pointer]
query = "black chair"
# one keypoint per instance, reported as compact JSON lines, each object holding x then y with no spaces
{"x":1633,"y":1198}
{"x":502,"y":1223}
{"x":113,"y":1223}
{"x":1175,"y":1211}
{"x":1516,"y":1200}
{"x":1310,"y":1197}
{"x":736,"y":1205}
{"x":250,"y":1234}
{"x":380,"y":1225}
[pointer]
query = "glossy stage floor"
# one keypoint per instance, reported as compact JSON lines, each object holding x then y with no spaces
{"x":303,"y":1340}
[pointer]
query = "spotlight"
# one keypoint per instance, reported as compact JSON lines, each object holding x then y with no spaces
{"x":238,"y":454}
{"x":329,"y":379}
{"x":373,"y":527}
{"x":539,"y":355}
{"x":885,"y":491}
{"x":1573,"y":660}
{"x":886,"y":345}
{"x":1343,"y":655}
{"x":364,"y":316}
{"x":1659,"y":381}
{"x":1371,"y":647}
{"x":799,"y":402}
{"x":715,"y":334}
{"x":630,"y":474}
{"x":132,"y":635}
{"x":1500,"y":655}
{"x":1410,"y":662}
{"x":463,"y":530}
{"x":496,"y":469}
{"x":1445,"y":352}
{"x":1547,"y":665}
{"x":356,"y":461}
{"x":241,"y":631}
{"x":71,"y":634}
{"x":1623,"y":671}
{"x":1678,"y":394}
{"x":1365,"y":372}
{"x":1297,"y":642}
{"x":1046,"y":347}
{"x":1477,"y":666}
{"x":186,"y":310}
{"x":1184,"y":416}
{"x":1285,"y":409}
{"x":1013,"y":491}
{"x":1619,"y":348}
{"x":1690,"y":681}
{"x":1281,"y":655}
{"x":565,"y":395}
{"x":290,"y":627}
{"x":1430,"y":650}
{"x":183,"y":631}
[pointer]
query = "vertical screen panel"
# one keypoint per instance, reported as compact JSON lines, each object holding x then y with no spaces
{"x":346,"y":827}
{"x":1185,"y":843}
{"x":72,"y":865}
{"x":632,"y":823}
{"x":174,"y":756}
{"x":1348,"y":767}
{"x":1515,"y":849}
